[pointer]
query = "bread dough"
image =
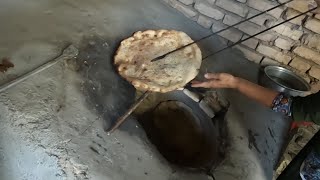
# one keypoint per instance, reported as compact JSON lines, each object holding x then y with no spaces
{"x":133,"y":60}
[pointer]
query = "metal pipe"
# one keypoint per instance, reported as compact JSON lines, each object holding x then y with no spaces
{"x":229,"y":27}
{"x":259,"y":33}
{"x":68,"y":52}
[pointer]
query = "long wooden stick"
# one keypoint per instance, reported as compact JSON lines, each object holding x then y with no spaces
{"x":130,"y":110}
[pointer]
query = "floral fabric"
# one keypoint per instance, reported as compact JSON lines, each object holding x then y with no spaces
{"x":310,"y":169}
{"x":282,"y":104}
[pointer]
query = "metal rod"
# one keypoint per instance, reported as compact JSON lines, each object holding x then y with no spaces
{"x":258,"y":33}
{"x":229,"y":27}
{"x":129,"y":111}
{"x":68,"y":52}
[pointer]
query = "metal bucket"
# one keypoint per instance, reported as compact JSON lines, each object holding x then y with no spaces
{"x":284,"y":80}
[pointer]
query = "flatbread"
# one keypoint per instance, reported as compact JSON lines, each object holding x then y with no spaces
{"x":134,"y":56}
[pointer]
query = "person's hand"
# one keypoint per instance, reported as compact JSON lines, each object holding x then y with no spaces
{"x":220,"y":80}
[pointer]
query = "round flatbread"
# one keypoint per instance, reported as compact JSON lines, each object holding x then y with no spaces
{"x":174,"y":71}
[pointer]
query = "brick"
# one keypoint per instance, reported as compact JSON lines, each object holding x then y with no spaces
{"x":267,"y":36}
{"x":315,"y":72}
{"x":302,"y":5}
{"x":307,"y":54}
{"x":184,"y":9}
{"x":211,"y":2}
{"x":300,"y":64}
{"x":274,"y":54}
{"x":249,"y":54}
{"x":290,"y":13}
{"x":249,"y":28}
{"x":261,"y":19}
{"x":217,"y":26}
{"x":204,"y":21}
{"x":234,"y":7}
{"x":305,"y":77}
{"x":269,"y":62}
{"x":313,"y":41}
{"x":288,"y":31}
{"x":313,"y":25}
{"x":232,"y":34}
{"x":231,"y":19}
{"x":204,"y":8}
{"x":285,"y":44}
{"x":263,"y":5}
{"x":187,"y":2}
{"x":172,"y":3}
{"x":251,"y":43}
{"x":223,"y":41}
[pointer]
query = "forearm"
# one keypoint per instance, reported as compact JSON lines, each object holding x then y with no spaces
{"x":223,"y":80}
{"x":258,"y":93}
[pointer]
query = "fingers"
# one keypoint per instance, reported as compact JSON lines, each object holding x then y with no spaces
{"x":216,"y":76}
{"x":212,"y":76}
{"x":195,"y":82}
{"x":215,"y":80}
{"x":201,"y":84}
{"x":208,"y":84}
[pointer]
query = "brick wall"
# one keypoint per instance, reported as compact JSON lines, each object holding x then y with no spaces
{"x":295,"y":44}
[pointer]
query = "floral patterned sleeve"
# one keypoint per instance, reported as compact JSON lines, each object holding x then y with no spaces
{"x":282,"y":104}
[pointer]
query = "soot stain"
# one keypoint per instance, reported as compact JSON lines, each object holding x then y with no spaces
{"x":252,"y":140}
{"x":272,"y":134}
{"x":94,"y":150}
{"x":5,"y":64}
{"x":105,"y":91}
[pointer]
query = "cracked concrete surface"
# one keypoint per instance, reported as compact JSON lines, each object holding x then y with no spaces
{"x":49,"y":133}
{"x":49,"y":130}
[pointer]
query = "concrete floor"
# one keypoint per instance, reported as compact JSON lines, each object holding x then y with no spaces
{"x":52,"y":126}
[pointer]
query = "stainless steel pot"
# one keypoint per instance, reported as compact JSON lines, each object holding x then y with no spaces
{"x":284,"y":80}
